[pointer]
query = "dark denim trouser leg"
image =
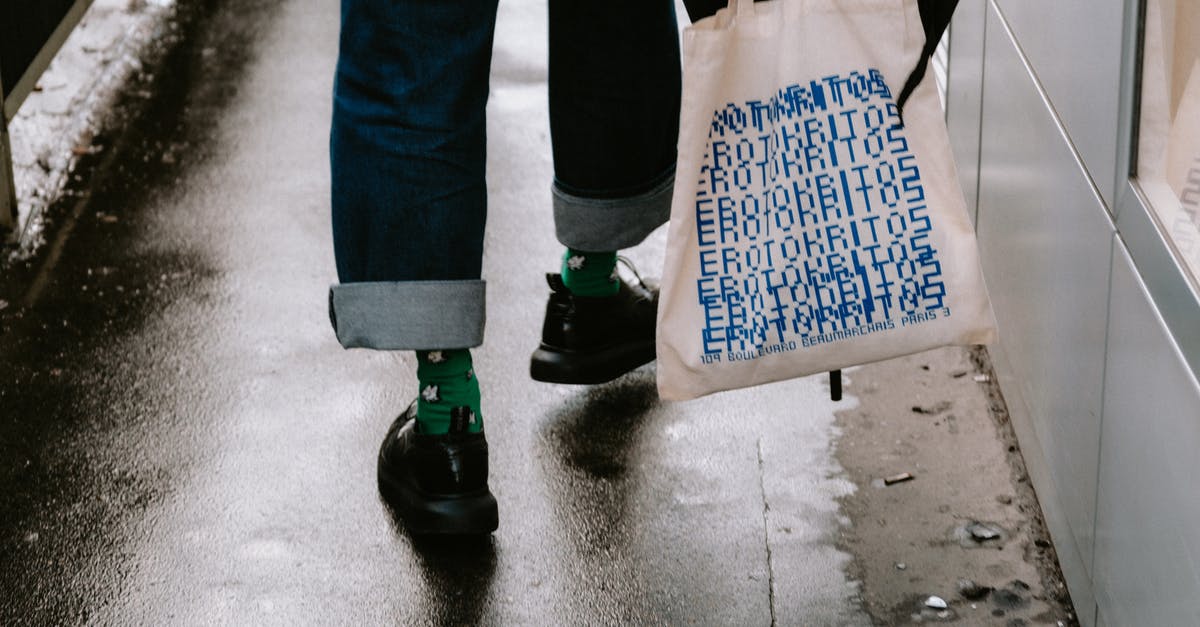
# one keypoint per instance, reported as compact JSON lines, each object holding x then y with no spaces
{"x":408,"y":153}
{"x":614,"y":119}
{"x":407,"y":150}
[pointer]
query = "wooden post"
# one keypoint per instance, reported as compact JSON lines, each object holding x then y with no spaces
{"x":8,"y":188}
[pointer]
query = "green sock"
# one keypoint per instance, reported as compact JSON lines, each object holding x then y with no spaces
{"x":590,"y":274}
{"x":447,"y":380}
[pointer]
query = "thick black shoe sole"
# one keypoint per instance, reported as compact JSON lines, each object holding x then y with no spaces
{"x":550,"y":364}
{"x":473,"y":513}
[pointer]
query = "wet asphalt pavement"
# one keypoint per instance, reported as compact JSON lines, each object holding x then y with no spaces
{"x":182,"y":441}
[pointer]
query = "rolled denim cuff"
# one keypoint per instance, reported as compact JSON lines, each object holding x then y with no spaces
{"x":408,"y":315}
{"x":601,"y":224}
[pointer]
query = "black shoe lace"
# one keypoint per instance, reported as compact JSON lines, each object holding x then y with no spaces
{"x":628,"y":263}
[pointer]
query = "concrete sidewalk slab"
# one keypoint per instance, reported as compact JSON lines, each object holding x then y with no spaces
{"x":185,"y":443}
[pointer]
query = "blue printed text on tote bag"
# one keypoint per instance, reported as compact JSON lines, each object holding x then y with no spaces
{"x":811,"y":221}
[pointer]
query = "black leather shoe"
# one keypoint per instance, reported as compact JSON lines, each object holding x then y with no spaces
{"x":437,"y":483}
{"x":593,"y":340}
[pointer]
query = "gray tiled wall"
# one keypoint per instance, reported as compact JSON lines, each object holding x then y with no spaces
{"x":1148,"y":511}
{"x":1074,"y":48}
{"x":1034,"y":100}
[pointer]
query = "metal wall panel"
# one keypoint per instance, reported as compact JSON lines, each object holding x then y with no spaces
{"x":1147,"y":569}
{"x":1046,"y":242}
{"x":964,"y":94}
{"x":1170,"y":285}
{"x":1075,"y":49}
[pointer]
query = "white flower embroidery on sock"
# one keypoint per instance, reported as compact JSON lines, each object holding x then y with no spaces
{"x":430,"y":394}
{"x":576,"y":262}
{"x":436,"y":357}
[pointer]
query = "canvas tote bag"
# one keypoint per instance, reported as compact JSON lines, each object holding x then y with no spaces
{"x":811,"y":229}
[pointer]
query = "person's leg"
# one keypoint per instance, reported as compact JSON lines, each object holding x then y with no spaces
{"x":614,"y":121}
{"x":407,"y":151}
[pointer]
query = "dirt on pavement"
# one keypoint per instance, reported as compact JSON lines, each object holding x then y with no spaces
{"x":944,"y":507}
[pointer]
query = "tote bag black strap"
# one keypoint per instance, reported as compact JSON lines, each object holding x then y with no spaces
{"x":700,"y":9}
{"x":935,"y":18}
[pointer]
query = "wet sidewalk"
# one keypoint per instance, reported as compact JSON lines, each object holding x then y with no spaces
{"x":184,"y":442}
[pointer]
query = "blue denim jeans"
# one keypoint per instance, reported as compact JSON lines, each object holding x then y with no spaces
{"x":407,"y":149}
